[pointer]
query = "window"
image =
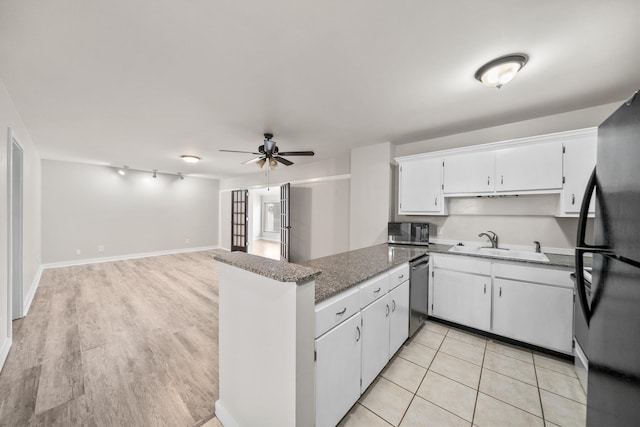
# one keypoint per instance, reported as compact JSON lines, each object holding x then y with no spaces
{"x":271,"y":217}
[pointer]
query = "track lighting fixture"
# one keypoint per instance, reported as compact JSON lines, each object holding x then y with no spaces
{"x":180,"y":175}
{"x":155,"y":173}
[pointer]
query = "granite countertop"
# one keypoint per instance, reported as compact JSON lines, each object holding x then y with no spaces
{"x":277,"y":270}
{"x":342,"y":271}
{"x":555,"y":260}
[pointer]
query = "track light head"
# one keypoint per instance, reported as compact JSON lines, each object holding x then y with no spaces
{"x":155,"y":173}
{"x":180,"y":175}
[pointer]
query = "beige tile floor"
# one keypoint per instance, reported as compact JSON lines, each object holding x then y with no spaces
{"x":447,"y":377}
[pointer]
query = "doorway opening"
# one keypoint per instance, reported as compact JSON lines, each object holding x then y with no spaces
{"x":264,"y":222}
{"x":15,"y":157}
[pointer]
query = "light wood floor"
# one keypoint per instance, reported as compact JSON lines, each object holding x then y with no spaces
{"x":121,"y":343}
{"x":266,"y":248}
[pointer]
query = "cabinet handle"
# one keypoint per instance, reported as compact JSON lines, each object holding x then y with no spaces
{"x":485,"y":288}
{"x":573,"y":199}
{"x":388,"y":311}
{"x":436,"y":200}
{"x":500,"y":293}
{"x":393,"y":304}
{"x":359,"y":333}
{"x":340,"y":313}
{"x":488,"y":180}
{"x":376,"y":291}
{"x":401,"y":276}
{"x":501,"y":179}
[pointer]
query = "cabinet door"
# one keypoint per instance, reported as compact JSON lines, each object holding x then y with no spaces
{"x":534,"y":313}
{"x":469,"y":173}
{"x":338,"y":355}
{"x":462,"y":298}
{"x":529,"y":167}
{"x":420,"y":186}
{"x":375,"y":339}
{"x":578,"y":161}
{"x":399,"y":323}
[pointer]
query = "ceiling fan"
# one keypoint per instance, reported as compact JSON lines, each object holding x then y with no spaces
{"x":269,"y":152}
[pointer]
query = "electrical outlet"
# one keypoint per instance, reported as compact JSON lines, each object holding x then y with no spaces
{"x":78,"y":252}
{"x":100,"y":248}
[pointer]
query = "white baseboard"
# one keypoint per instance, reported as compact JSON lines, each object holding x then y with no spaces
{"x":32,"y":293}
{"x":224,"y":416}
{"x":4,"y":351}
{"x":125,"y":257}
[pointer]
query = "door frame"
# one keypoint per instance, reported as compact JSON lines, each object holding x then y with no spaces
{"x":285,"y":222}
{"x":15,"y":230}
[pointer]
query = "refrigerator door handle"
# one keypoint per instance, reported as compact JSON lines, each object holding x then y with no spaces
{"x":582,"y":247}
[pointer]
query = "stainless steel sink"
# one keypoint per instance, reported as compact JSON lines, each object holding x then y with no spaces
{"x":500,"y":253}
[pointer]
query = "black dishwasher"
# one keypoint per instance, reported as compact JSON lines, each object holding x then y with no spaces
{"x":418,"y":292}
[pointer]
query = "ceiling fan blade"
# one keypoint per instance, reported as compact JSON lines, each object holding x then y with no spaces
{"x":248,"y":162}
{"x":296,"y":153}
{"x":283,"y":160}
{"x":234,"y":151}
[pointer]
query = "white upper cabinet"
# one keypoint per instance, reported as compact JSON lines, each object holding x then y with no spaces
{"x":469,"y":173}
{"x":534,"y":165}
{"x":420,"y":187}
{"x":531,"y":167}
{"x":579,"y":160}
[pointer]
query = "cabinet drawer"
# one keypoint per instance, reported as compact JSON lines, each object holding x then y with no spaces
{"x":373,"y":289}
{"x":463,"y":264}
{"x":398,"y":275}
{"x":335,"y":310}
{"x":525,"y":273}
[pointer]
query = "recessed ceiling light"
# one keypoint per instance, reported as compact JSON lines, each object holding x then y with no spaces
{"x":501,"y":71}
{"x":190,"y":158}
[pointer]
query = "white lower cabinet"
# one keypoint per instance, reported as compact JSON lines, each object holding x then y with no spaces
{"x":462,"y":297}
{"x":399,"y":317}
{"x":338,"y":354}
{"x":536,"y":313}
{"x":375,"y":339}
{"x":530,"y":303}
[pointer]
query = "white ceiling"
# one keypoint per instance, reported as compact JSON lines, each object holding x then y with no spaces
{"x":142,"y":82}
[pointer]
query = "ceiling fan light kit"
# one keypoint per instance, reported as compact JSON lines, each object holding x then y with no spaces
{"x":501,"y":71}
{"x":269,"y":152}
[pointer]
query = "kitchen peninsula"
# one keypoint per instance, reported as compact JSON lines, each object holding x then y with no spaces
{"x":267,"y":329}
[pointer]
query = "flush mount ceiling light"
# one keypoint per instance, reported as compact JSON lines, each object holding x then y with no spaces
{"x":190,"y":158}
{"x":501,"y":71}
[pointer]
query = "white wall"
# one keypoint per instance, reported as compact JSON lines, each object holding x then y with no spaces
{"x":370,"y":195}
{"x":579,"y":119}
{"x":9,"y":118}
{"x":319,"y":219}
{"x":84,"y":206}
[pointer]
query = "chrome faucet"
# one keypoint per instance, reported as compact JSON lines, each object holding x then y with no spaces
{"x":535,"y":242}
{"x":493,"y":238}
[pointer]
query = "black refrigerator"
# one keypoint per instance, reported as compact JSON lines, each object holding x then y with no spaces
{"x":613,"y":310}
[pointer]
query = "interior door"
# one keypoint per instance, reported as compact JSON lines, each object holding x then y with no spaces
{"x":239,"y":220}
{"x":285,"y":222}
